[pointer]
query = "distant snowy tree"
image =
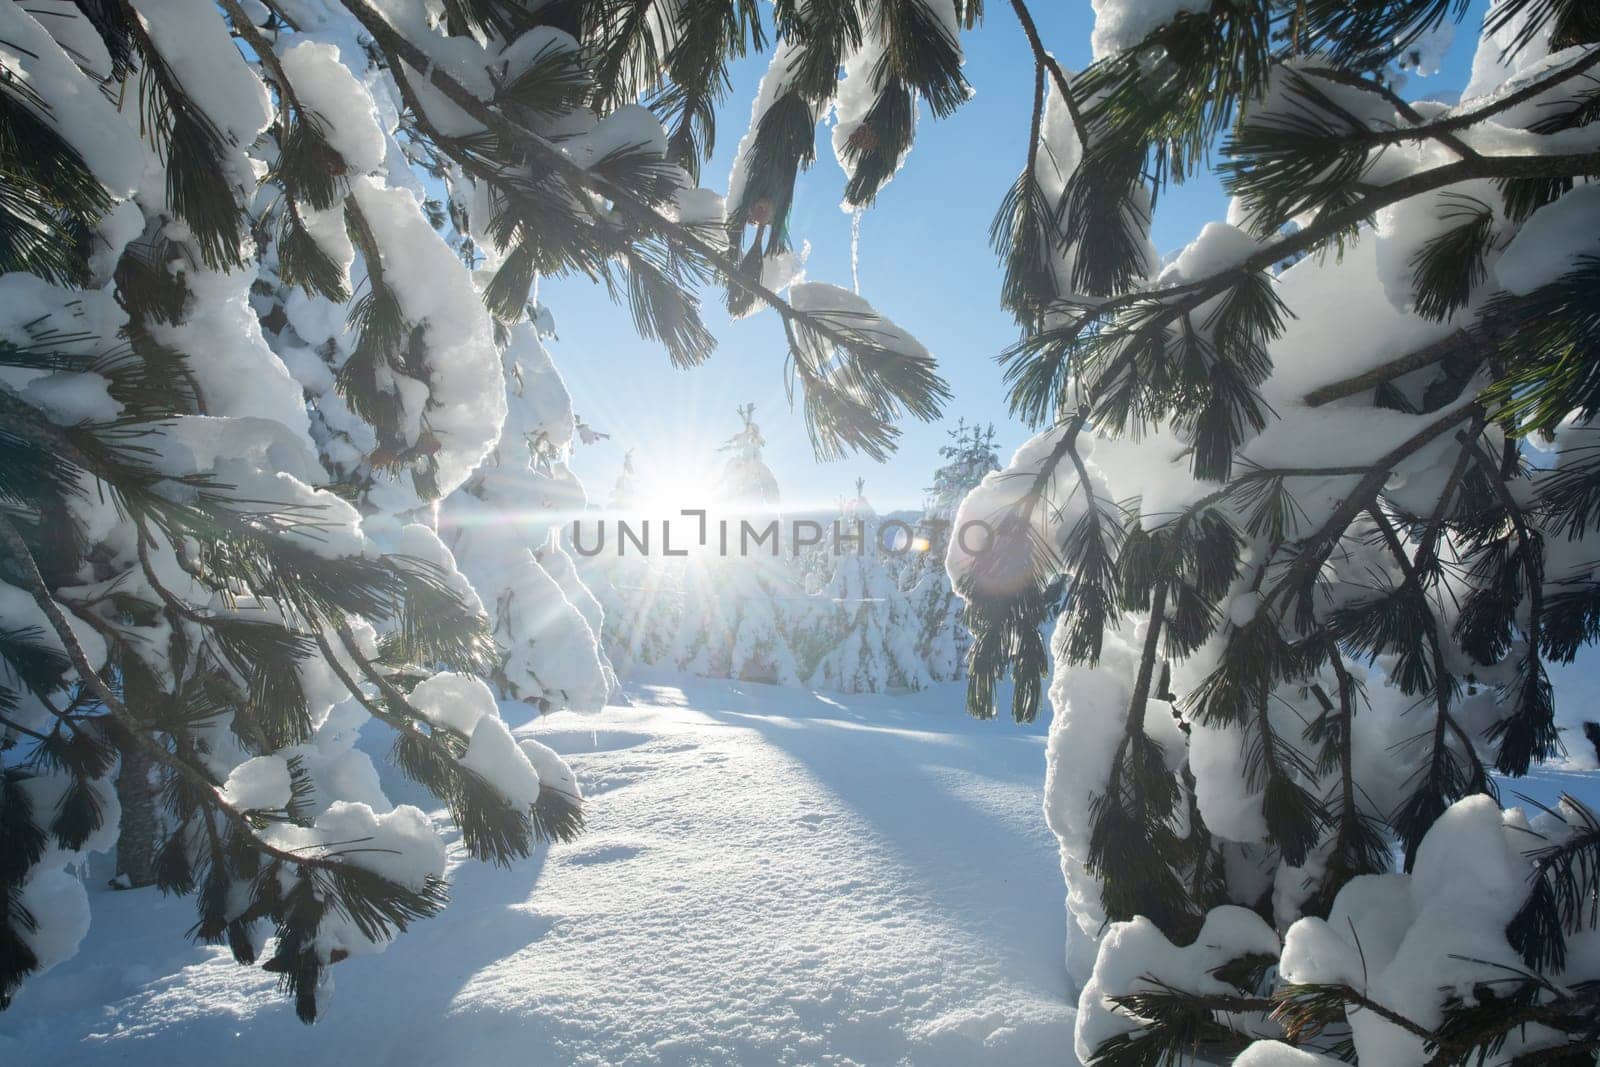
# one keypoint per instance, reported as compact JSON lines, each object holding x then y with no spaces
{"x":968,"y":456}
{"x":242,"y":368}
{"x":746,"y":480}
{"x":942,"y":634}
{"x":942,"y":637}
{"x":863,"y":624}
{"x":735,"y":622}
{"x":625,"y":491}
{"x":643,"y":609}
{"x":1308,"y":572}
{"x":736,"y":602}
{"x":641,"y":595}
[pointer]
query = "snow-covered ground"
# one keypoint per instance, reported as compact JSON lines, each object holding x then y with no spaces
{"x":768,"y":876}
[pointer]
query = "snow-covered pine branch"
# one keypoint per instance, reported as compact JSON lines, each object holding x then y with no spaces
{"x":264,"y":275}
{"x":190,"y":587}
{"x":1309,"y":505}
{"x":621,"y":193}
{"x":505,"y":526}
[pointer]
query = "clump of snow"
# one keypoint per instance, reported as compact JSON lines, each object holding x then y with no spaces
{"x":1137,"y":957}
{"x":699,"y":207}
{"x":342,"y":106}
{"x":258,"y":784}
{"x":1277,"y":1054}
{"x":401,"y":845}
{"x":493,"y":755}
{"x":239,"y":374}
{"x":1121,"y":24}
{"x":60,"y":910}
{"x":465,"y":394}
{"x":1219,"y":247}
{"x":78,"y":111}
{"x":456,"y":701}
{"x":846,"y":310}
{"x":632,"y":128}
{"x":70,"y":398}
{"x":419,"y":542}
{"x":1549,"y":242}
{"x":553,"y":771}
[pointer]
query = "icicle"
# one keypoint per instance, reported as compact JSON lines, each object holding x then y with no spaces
{"x":855,"y":250}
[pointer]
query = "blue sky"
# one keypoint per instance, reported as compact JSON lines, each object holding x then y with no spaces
{"x":924,"y":261}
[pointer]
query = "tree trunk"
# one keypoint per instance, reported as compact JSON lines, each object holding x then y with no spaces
{"x":136,"y":844}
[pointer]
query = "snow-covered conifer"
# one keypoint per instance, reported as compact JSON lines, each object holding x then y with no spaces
{"x":735,"y":621}
{"x":968,"y":456}
{"x":736,"y":602}
{"x":942,"y":634}
{"x":625,"y":490}
{"x":640,"y":595}
{"x":746,"y":481}
{"x":862,"y":621}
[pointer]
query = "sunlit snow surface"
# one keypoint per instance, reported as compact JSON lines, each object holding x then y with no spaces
{"x":768,"y":876}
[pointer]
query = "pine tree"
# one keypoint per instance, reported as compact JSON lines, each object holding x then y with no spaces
{"x":969,"y":455}
{"x":624,"y":493}
{"x":641,"y":595}
{"x":247,"y":354}
{"x":864,"y":627}
{"x":738,"y":592}
{"x":746,"y":480}
{"x":942,"y":634}
{"x":1279,"y":491}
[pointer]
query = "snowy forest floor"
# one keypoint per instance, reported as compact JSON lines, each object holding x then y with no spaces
{"x":769,"y":875}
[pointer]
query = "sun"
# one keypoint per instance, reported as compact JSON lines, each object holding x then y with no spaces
{"x":669,"y":487}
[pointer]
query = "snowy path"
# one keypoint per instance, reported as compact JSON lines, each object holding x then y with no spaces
{"x":768,"y":876}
